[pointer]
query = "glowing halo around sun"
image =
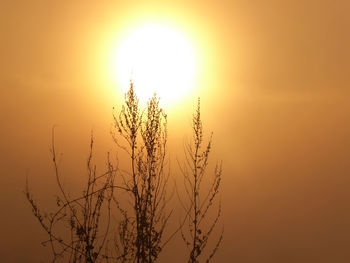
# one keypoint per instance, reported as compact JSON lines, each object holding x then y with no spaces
{"x":158,"y":59}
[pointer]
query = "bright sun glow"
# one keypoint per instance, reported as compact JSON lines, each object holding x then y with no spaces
{"x":158,"y":59}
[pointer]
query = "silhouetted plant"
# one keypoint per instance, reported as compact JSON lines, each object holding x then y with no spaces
{"x":81,"y":216}
{"x":199,"y":202}
{"x":146,"y":138}
{"x":139,"y":234}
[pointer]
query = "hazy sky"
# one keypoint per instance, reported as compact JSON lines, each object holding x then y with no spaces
{"x":274,"y":89}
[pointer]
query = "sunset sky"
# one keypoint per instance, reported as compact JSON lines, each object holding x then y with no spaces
{"x":274,"y":83}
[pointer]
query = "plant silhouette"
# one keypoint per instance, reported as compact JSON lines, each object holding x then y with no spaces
{"x":82,"y":241}
{"x":199,"y":202}
{"x":81,"y":229}
{"x":146,"y":139}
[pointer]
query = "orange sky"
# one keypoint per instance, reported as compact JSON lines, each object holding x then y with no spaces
{"x":274,"y":90}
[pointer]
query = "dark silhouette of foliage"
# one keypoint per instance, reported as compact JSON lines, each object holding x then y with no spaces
{"x":81,"y":216}
{"x":199,"y":202}
{"x":81,"y":229}
{"x":146,"y":138}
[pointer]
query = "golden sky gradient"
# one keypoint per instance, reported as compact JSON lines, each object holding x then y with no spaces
{"x":273,"y":77}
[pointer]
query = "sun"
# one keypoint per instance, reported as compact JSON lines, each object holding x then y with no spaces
{"x":158,"y":59}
